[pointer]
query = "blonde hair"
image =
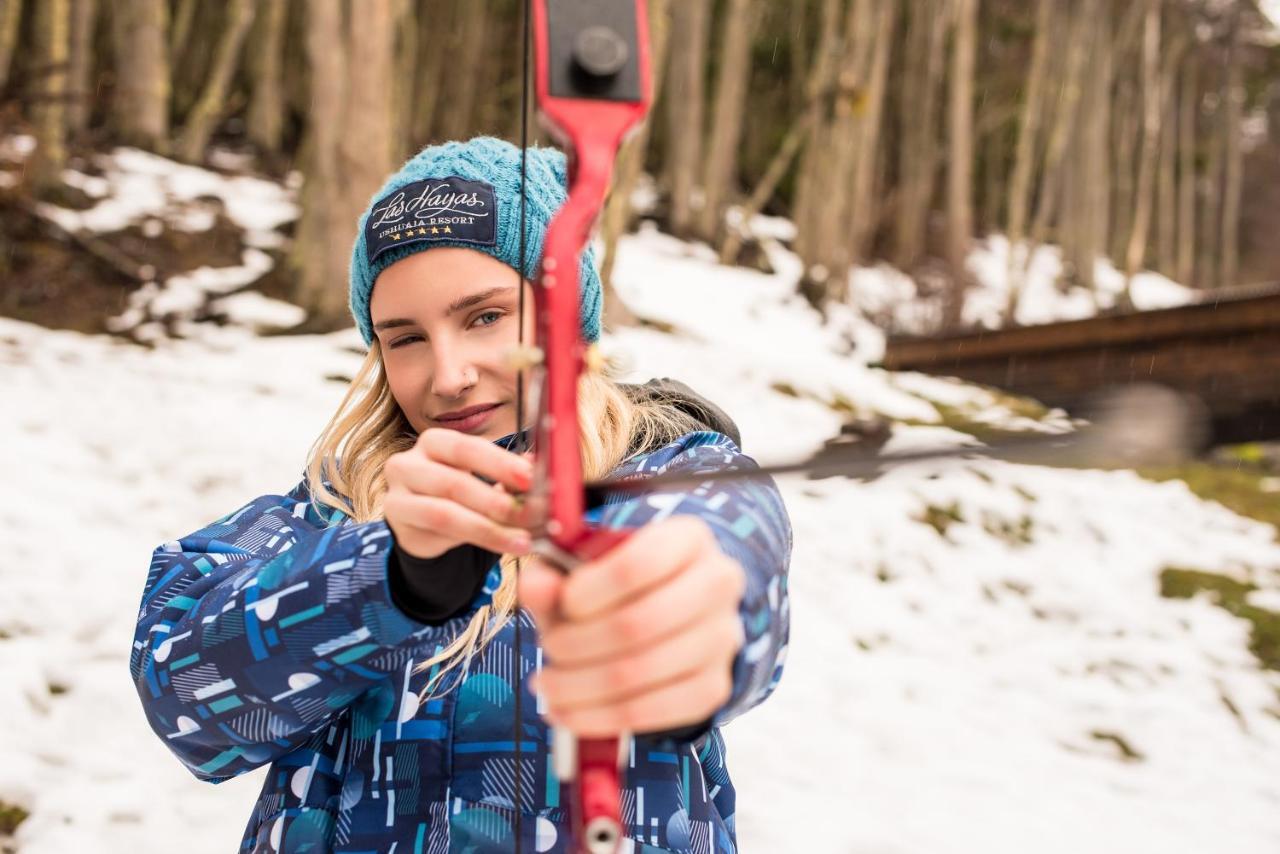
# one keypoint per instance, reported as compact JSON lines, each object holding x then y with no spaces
{"x":369,"y":427}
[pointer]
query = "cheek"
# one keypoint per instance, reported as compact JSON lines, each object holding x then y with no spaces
{"x":407,"y":379}
{"x":492,"y":358}
{"x":499,"y":374}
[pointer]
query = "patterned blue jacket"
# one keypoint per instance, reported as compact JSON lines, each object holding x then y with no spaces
{"x":270,"y":637}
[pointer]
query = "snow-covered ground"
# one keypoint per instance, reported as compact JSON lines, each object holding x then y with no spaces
{"x":961,"y":686}
{"x":893,"y":298}
{"x":884,"y":299}
{"x":137,"y":188}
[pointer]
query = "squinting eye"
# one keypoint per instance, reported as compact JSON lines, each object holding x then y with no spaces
{"x":405,"y":340}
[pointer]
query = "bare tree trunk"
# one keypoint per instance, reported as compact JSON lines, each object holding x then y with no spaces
{"x":406,"y":62}
{"x":1054,"y":175}
{"x":925,"y":36}
{"x":1187,"y":112}
{"x":1234,"y":166}
{"x":180,"y":33}
{"x":907,"y":220}
{"x":721,"y":163}
{"x":832,"y":225}
{"x":800,"y":130}
{"x":349,"y":145}
{"x":10,"y":17}
{"x":472,"y":52}
{"x":1100,"y":200}
{"x":296,"y":72}
{"x":266,"y":101}
{"x":1074,"y":225}
{"x":797,"y":25}
{"x":816,"y":164}
{"x":1067,"y":233}
{"x":1151,"y":101}
{"x":321,"y":251}
{"x":816,"y":152}
{"x":433,"y":25}
{"x":686,"y":102}
{"x":1127,"y":129}
{"x":863,"y":212}
{"x":960,"y":168}
{"x":993,"y":154}
{"x":487,"y":118}
{"x":84,"y":16}
{"x":53,"y":35}
{"x":1028,"y":129}
{"x":366,"y":147}
{"x":1092,"y":219}
{"x":143,"y":84}
{"x":1211,"y":202}
{"x":1166,"y":212}
{"x":511,"y":114}
{"x":203,"y":118}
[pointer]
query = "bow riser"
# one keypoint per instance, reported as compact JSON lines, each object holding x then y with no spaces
{"x":592,"y":85}
{"x":590,"y":131}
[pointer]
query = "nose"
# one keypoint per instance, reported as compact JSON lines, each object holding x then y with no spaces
{"x":454,"y":374}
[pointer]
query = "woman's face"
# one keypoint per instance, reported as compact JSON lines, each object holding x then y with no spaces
{"x":446,"y":320}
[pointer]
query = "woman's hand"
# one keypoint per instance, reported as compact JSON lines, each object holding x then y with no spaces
{"x":434,"y":502}
{"x":642,"y":639}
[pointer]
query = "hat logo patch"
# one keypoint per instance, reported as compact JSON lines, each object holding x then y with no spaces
{"x":433,"y":210}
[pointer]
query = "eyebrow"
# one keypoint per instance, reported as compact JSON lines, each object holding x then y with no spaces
{"x":456,"y":306}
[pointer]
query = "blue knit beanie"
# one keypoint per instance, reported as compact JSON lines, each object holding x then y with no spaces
{"x":466,"y":194}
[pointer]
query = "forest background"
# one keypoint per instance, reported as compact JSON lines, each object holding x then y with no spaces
{"x":976,"y":634}
{"x":1144,"y":131}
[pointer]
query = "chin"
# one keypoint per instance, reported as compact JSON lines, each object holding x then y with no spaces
{"x":496,"y":433}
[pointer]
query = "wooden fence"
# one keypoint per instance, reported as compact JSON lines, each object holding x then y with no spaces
{"x":1224,"y":349}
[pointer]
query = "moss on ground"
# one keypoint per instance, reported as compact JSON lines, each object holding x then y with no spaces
{"x":784,"y":387}
{"x":1015,"y":532}
{"x":940,"y":518}
{"x":1127,"y":752}
{"x":963,"y":420}
{"x":1227,"y":593}
{"x":11,"y":815}
{"x":1236,"y":487}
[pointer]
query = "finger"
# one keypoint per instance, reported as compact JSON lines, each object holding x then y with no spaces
{"x":708,"y":644}
{"x":432,"y":478}
{"x":684,"y":701}
{"x":538,"y":589}
{"x":699,"y":590}
{"x":478,"y":455}
{"x":439,"y":516}
{"x":645,"y":559}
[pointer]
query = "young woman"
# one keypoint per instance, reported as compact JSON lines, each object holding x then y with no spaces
{"x":358,"y":634}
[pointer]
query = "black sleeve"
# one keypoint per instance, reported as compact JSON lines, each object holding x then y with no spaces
{"x":435,"y":590}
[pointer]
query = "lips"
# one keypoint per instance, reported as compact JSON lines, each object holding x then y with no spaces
{"x":463,"y":414}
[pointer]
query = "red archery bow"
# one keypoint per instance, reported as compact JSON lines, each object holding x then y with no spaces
{"x":593,"y":88}
{"x":592,"y":85}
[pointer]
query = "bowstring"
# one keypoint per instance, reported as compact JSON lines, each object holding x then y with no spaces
{"x":522,"y":440}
